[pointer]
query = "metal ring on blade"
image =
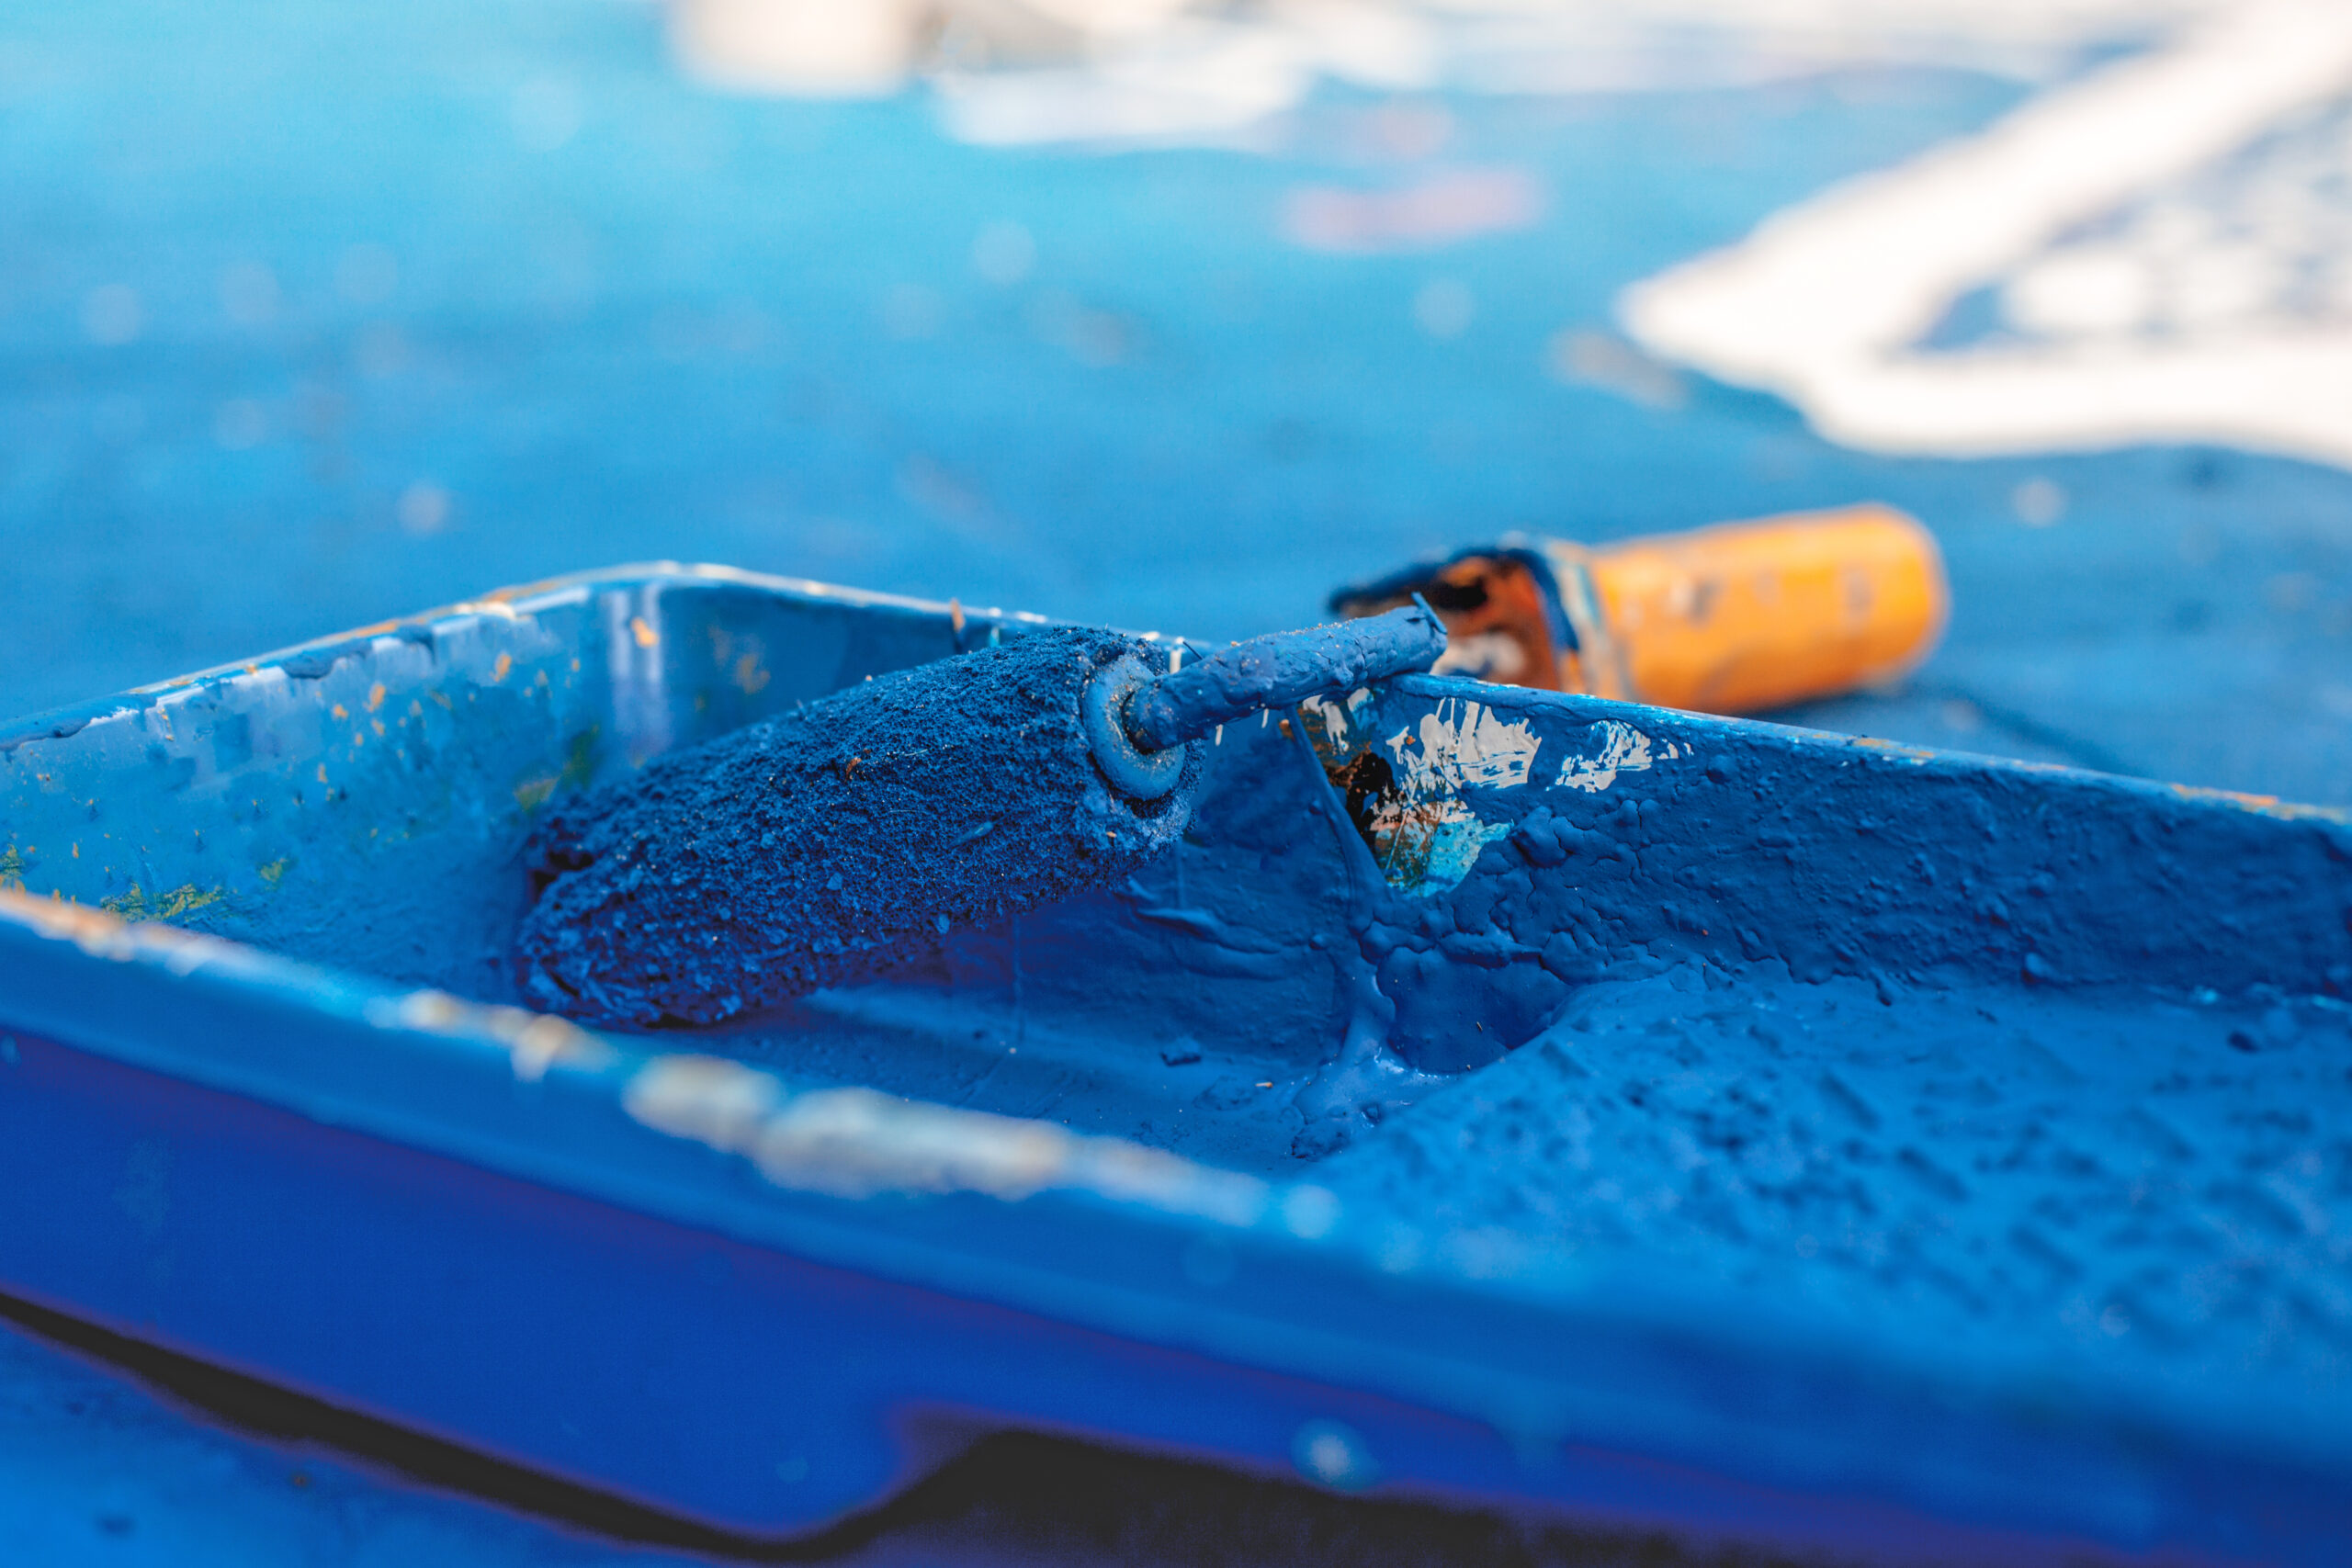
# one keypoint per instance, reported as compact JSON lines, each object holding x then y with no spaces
{"x":1132,"y":772}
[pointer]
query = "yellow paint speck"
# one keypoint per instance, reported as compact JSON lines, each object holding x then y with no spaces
{"x":645,"y":634}
{"x":505,"y":665}
{"x":77,"y":851}
{"x":375,"y":696}
{"x":378,"y":725}
{"x":339,"y":711}
{"x":323,"y":773}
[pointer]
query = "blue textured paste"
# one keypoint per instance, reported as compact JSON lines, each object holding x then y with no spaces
{"x":1818,"y":1115}
{"x":837,"y":840}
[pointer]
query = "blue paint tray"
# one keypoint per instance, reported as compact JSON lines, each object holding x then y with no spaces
{"x":1509,"y":1099}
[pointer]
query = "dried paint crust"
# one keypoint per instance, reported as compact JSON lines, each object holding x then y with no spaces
{"x":1821,"y":1113}
{"x":835,"y":841}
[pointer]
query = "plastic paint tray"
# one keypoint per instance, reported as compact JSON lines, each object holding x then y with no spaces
{"x":1515,"y":1099}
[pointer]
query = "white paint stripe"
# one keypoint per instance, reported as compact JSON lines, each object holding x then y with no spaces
{"x":1822,"y":301}
{"x":2289,"y":395}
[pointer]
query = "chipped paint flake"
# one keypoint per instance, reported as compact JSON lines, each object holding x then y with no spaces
{"x":1463,"y":745}
{"x":169,"y":905}
{"x":538,"y":1041}
{"x":1331,"y":725}
{"x":1426,"y":845}
{"x":1423,"y":835}
{"x":1326,"y":722}
{"x":533,"y":1042}
{"x":1622,"y":750}
{"x":855,"y":1143}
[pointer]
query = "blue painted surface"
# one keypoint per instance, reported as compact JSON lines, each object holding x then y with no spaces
{"x":1280,"y":671}
{"x":2043,"y":1243}
{"x":155,"y":1487}
{"x":675,"y":335}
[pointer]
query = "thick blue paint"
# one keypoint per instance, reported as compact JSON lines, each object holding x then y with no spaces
{"x":831,"y":843}
{"x":665,"y":339}
{"x":1281,"y":670}
{"x":850,"y":836}
{"x":1954,"y":1142}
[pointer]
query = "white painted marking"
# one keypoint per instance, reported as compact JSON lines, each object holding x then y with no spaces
{"x":1828,"y":302}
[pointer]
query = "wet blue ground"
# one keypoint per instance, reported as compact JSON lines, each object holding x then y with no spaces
{"x":754,"y":332}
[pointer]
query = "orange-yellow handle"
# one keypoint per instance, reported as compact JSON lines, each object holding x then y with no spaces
{"x":1748,"y":616}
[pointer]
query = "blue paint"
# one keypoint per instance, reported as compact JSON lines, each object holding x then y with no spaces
{"x":832,"y":844}
{"x":1132,"y":772}
{"x":596,"y":356}
{"x":1768,"y":1133}
{"x":1280,"y":671}
{"x":839,"y":841}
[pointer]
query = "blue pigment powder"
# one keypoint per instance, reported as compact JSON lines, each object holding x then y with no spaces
{"x":839,"y":841}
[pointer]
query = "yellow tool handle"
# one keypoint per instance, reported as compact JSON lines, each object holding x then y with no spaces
{"x":1747,"y":615}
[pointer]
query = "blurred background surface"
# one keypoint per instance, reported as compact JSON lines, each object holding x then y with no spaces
{"x":1165,"y":315}
{"x":1181,"y":317}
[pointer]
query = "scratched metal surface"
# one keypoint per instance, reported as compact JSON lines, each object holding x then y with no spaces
{"x":675,"y":337}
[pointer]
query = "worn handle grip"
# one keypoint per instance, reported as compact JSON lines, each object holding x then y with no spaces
{"x":1280,"y":669}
